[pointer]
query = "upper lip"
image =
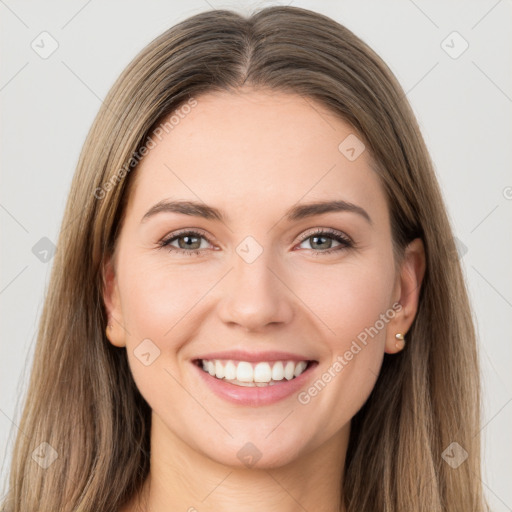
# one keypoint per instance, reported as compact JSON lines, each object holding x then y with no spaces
{"x":243,"y":355}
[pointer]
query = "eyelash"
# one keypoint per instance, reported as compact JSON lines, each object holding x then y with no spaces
{"x":344,"y":240}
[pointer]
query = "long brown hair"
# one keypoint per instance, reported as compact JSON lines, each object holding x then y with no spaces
{"x":82,"y":399}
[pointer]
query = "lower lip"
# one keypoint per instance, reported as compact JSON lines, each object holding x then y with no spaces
{"x":254,"y":395}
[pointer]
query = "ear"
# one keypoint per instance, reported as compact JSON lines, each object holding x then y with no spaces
{"x":114,"y":330}
{"x":407,"y":292}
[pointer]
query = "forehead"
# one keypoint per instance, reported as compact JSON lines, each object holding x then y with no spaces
{"x":255,"y":147}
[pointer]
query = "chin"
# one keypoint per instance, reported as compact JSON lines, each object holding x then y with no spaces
{"x":256,"y":452}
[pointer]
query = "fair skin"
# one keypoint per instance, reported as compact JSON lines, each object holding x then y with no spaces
{"x":253,"y":155}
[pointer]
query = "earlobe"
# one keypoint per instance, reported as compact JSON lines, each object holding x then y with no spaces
{"x":399,"y":341}
{"x":113,"y":330}
{"x":411,"y":276}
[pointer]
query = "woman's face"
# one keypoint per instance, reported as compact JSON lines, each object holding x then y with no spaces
{"x":251,"y":278}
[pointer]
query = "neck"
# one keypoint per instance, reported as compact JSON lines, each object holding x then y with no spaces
{"x":183,"y":479}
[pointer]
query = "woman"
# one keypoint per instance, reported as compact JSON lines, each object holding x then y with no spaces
{"x":256,"y":301}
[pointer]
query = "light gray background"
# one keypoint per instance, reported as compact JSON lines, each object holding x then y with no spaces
{"x":463,"y":106}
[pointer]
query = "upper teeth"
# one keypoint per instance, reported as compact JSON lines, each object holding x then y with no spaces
{"x":244,"y":371}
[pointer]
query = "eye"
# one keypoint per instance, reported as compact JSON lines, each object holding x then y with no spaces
{"x":323,"y":241}
{"x":187,"y":242}
{"x":194,"y":243}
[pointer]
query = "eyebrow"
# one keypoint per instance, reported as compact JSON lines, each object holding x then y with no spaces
{"x":297,"y":212}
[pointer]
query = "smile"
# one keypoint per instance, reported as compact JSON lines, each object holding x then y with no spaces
{"x":251,"y":374}
{"x":254,"y":383}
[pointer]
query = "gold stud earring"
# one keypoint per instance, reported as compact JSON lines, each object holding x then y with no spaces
{"x":400,"y":343}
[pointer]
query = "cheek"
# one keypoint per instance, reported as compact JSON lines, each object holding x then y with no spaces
{"x":162,"y":303}
{"x":158,"y":305}
{"x":355,"y":305}
{"x":363,"y":297}
{"x":349,"y":298}
{"x":156,"y":297}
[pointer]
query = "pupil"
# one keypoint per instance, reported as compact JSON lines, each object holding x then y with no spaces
{"x":323,"y":243}
{"x":315,"y":238}
{"x":188,"y":241}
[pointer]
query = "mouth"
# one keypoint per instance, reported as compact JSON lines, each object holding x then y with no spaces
{"x":254,"y":373}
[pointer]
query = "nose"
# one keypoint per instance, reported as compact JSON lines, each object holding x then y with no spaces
{"x":255,"y":296}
